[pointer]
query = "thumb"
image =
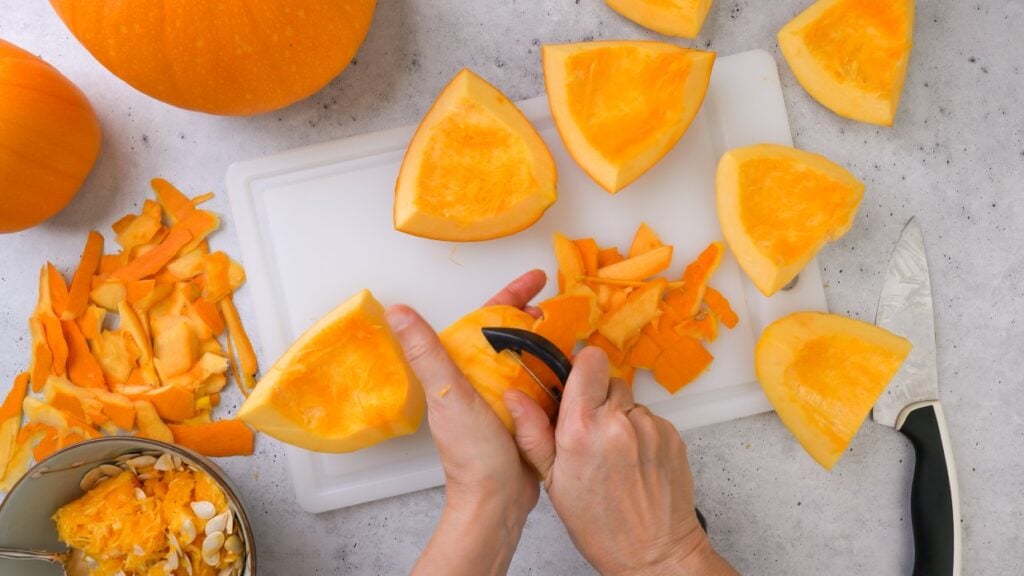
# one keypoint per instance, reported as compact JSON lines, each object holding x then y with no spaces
{"x":446,"y":388}
{"x":534,"y":434}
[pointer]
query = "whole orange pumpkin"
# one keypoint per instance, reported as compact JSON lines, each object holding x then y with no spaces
{"x":232,"y":57}
{"x":49,"y":139}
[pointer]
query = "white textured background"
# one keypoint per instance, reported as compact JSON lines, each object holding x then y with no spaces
{"x":955,"y":159}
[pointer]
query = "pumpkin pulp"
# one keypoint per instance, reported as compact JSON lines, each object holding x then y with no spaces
{"x":778,"y":206}
{"x":852,"y":55}
{"x":673,"y":17}
{"x":475,"y":169}
{"x":620,"y":106}
{"x":342,"y":386}
{"x":823,"y":373}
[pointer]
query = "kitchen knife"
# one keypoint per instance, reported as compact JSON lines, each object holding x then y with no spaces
{"x":911,"y":405}
{"x":516,"y":341}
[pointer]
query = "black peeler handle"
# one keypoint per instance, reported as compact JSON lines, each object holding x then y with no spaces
{"x":519,"y":341}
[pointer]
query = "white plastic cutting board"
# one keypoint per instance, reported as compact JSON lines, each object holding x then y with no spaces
{"x":315,"y":227}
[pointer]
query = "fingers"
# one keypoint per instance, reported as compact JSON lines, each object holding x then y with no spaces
{"x":587,"y":387}
{"x":534,"y":434}
{"x":620,"y":395}
{"x":649,"y":434}
{"x":520,"y":291}
{"x":441,"y":379}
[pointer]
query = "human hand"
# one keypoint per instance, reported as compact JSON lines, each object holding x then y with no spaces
{"x":489,"y":489}
{"x":617,"y":476}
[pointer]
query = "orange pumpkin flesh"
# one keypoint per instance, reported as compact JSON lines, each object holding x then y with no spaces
{"x":490,"y":373}
{"x":852,"y":55}
{"x":227,"y":57}
{"x":342,"y":386}
{"x":49,"y":139}
{"x":475,"y":169}
{"x":682,"y":18}
{"x":778,"y":206}
{"x":620,"y":106}
{"x":823,"y":373}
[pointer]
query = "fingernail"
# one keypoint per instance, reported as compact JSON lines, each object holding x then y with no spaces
{"x":398,"y":318}
{"x":513,"y":403}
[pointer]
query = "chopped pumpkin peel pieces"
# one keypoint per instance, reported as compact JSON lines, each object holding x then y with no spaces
{"x":131,"y":346}
{"x":640,"y":320}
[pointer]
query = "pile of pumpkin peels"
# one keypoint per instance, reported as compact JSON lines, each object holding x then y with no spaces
{"x":617,"y":303}
{"x":160,"y":372}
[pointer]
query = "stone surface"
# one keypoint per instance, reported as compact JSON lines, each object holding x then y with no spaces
{"x":955,"y":158}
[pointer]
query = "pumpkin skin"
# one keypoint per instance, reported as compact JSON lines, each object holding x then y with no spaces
{"x":343,"y":385}
{"x":620,"y":106}
{"x":232,"y":57}
{"x":682,"y":18}
{"x":778,"y":206}
{"x":476,"y":169}
{"x":851,"y":55}
{"x":823,"y":373}
{"x":49,"y":139}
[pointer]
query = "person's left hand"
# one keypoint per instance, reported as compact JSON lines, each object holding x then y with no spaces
{"x":488,"y":484}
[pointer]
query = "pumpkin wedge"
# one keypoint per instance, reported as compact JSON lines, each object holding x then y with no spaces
{"x":342,"y":386}
{"x":778,"y":206}
{"x":823,"y":373}
{"x":682,"y":18}
{"x":622,"y":105}
{"x":491,"y":373}
{"x":852,"y":55}
{"x":476,"y":168}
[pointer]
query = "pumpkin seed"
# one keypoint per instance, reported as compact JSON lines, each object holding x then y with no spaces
{"x":90,"y":479}
{"x":164,"y":463}
{"x":188,"y":531}
{"x":204,"y":509}
{"x":230,"y":528}
{"x":141,"y":461}
{"x":177,"y":461}
{"x":138,"y":550}
{"x":172,"y":563}
{"x":109,"y":470}
{"x":145,"y":476}
{"x":213,"y":543}
{"x":173,"y":540}
{"x":125,"y":457}
{"x":217,"y":523}
{"x":233,"y":544}
{"x":212,"y":559}
{"x":139,"y":494}
{"x":188,"y":566}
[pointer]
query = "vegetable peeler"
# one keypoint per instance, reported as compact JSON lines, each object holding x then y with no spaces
{"x":516,"y":341}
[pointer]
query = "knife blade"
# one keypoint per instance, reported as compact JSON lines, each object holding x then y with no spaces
{"x":911,"y":405}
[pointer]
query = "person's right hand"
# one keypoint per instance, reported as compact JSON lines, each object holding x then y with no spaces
{"x":617,"y":476}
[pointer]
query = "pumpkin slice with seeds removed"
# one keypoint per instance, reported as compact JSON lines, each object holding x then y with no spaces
{"x":778,"y":206}
{"x":475,"y":169}
{"x":823,"y":373}
{"x":622,"y":105}
{"x":682,"y":18}
{"x":342,"y":386}
{"x":852,"y":55}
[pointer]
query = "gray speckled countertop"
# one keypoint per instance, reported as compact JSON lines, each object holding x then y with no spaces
{"x":955,"y":158}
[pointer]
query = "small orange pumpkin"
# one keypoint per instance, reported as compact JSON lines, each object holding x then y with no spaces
{"x":231,"y":57}
{"x":49,"y":139}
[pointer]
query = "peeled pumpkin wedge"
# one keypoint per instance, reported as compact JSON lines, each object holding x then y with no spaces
{"x":476,"y":169}
{"x":342,"y":386}
{"x":778,"y":206}
{"x":620,"y":106}
{"x":682,"y":18}
{"x":490,"y":373}
{"x":852,"y":55}
{"x":823,"y":373}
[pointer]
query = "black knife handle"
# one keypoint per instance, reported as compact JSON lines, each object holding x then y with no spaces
{"x":934,"y":497}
